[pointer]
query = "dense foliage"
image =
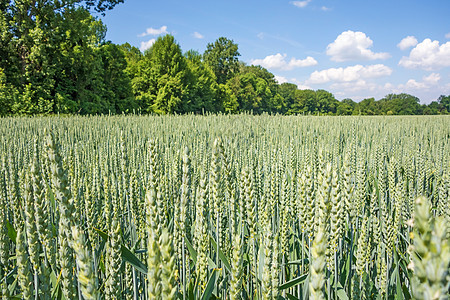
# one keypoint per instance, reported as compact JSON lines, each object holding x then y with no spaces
{"x":232,"y":207}
{"x":54,"y":59}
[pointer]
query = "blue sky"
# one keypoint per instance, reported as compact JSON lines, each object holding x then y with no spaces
{"x":354,"y":49}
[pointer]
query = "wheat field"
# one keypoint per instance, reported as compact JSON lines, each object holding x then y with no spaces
{"x":224,"y":206}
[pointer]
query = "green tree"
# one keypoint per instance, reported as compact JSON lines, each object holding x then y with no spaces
{"x":8,"y":95}
{"x":345,"y":107}
{"x":399,"y":104}
{"x":305,"y":102}
{"x":132,"y":56}
{"x":203,"y":89}
{"x":366,"y":107}
{"x":444,"y":101}
{"x":432,"y":109}
{"x":49,"y":49}
{"x":326,"y":103}
{"x":117,"y":89}
{"x":162,"y":81}
{"x":266,"y":89}
{"x":256,"y":90}
{"x":287,"y":92}
{"x":100,"y":6}
{"x":242,"y":86}
{"x":80,"y":81}
{"x":222,"y":56}
{"x":228,"y":98}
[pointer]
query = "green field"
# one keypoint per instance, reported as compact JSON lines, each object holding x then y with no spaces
{"x":228,"y":207}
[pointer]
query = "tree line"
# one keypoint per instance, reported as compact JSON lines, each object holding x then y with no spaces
{"x":55,"y":59}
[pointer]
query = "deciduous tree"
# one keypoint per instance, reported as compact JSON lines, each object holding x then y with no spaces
{"x":222,"y":56}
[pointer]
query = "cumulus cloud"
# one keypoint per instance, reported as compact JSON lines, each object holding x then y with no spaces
{"x":300,"y":85}
{"x":198,"y":35}
{"x":154,"y":31}
{"x":300,"y":4}
{"x":427,"y":89}
{"x":414,"y":85}
{"x":447,"y":36}
{"x":350,"y":45}
{"x":278,"y":61}
{"x":407,"y":42}
{"x":426,"y":83}
{"x":145,"y":45}
{"x":349,"y":74}
{"x":281,"y":79}
{"x":433,"y":78}
{"x":427,"y":55}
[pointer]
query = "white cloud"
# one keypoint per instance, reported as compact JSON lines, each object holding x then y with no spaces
{"x":278,"y":61}
{"x":260,"y":35}
{"x":426,"y":83}
{"x":324,"y":8}
{"x":301,"y":4}
{"x":197,"y":35}
{"x":428,"y":89}
{"x":145,"y":45}
{"x":281,"y":79}
{"x":303,"y":87}
{"x":447,"y":35}
{"x":154,"y":31}
{"x":350,"y":45}
{"x":388,"y":85}
{"x":362,"y":89}
{"x":427,"y":55}
{"x":349,"y":74}
{"x":299,"y":63}
{"x":407,"y":42}
{"x":300,"y":85}
{"x":412,"y":84}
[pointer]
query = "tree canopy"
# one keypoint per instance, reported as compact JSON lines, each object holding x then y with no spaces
{"x":55,"y":59}
{"x":222,"y":56}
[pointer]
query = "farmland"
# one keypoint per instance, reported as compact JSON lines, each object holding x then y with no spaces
{"x":224,"y":206}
